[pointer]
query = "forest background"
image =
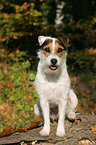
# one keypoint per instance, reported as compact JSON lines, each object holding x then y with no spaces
{"x":21,"y":22}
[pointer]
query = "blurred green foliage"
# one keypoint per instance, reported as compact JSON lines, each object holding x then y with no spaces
{"x":30,"y":18}
{"x":17,"y":18}
{"x":82,"y":61}
{"x":17,"y":92}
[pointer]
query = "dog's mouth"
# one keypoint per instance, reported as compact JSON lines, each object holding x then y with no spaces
{"x":53,"y":67}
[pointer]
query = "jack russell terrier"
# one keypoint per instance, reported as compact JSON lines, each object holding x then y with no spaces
{"x":56,"y":99}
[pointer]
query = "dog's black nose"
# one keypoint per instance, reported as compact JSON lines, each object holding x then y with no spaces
{"x":53,"y":61}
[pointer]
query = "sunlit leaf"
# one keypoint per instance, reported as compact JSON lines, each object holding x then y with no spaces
{"x":93,"y":129}
{"x":32,"y":76}
{"x":26,"y":64}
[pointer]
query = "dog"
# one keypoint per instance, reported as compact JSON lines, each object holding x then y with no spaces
{"x":52,"y":82}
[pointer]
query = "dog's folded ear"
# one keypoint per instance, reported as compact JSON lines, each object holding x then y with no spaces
{"x":42,"y":39}
{"x":64,"y":40}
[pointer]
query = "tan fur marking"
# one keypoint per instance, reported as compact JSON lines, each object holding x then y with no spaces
{"x":50,"y":48}
{"x":57,"y":46}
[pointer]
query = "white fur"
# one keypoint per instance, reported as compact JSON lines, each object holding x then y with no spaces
{"x":41,"y":39}
{"x":56,"y":99}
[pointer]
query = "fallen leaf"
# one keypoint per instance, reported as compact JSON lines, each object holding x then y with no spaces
{"x":84,"y":142}
{"x":6,"y":132}
{"x":9,"y":131}
{"x":93,"y":129}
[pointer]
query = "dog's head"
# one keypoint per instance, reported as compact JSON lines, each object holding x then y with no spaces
{"x":52,"y":53}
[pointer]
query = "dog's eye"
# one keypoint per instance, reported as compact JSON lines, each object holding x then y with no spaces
{"x":60,"y":50}
{"x":47,"y":49}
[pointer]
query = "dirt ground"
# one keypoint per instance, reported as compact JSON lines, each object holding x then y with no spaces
{"x":77,"y":133}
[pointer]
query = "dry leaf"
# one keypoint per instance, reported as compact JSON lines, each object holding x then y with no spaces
{"x":84,"y":142}
{"x":6,"y":132}
{"x":9,"y":131}
{"x":93,"y":129}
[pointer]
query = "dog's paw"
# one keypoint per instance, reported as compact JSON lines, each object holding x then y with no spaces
{"x":44,"y":132}
{"x":60,"y":132}
{"x":72,"y":116}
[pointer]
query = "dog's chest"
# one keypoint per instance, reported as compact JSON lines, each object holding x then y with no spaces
{"x":55,"y":92}
{"x":51,"y":89}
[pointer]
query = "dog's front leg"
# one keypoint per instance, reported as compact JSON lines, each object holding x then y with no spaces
{"x":45,"y":111}
{"x":62,"y":111}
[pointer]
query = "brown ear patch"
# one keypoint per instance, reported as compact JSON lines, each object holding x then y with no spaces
{"x":65,"y":41}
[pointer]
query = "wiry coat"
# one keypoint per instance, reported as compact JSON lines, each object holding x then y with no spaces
{"x":52,"y":82}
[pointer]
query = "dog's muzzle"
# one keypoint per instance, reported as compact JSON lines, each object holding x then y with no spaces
{"x":53,"y":66}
